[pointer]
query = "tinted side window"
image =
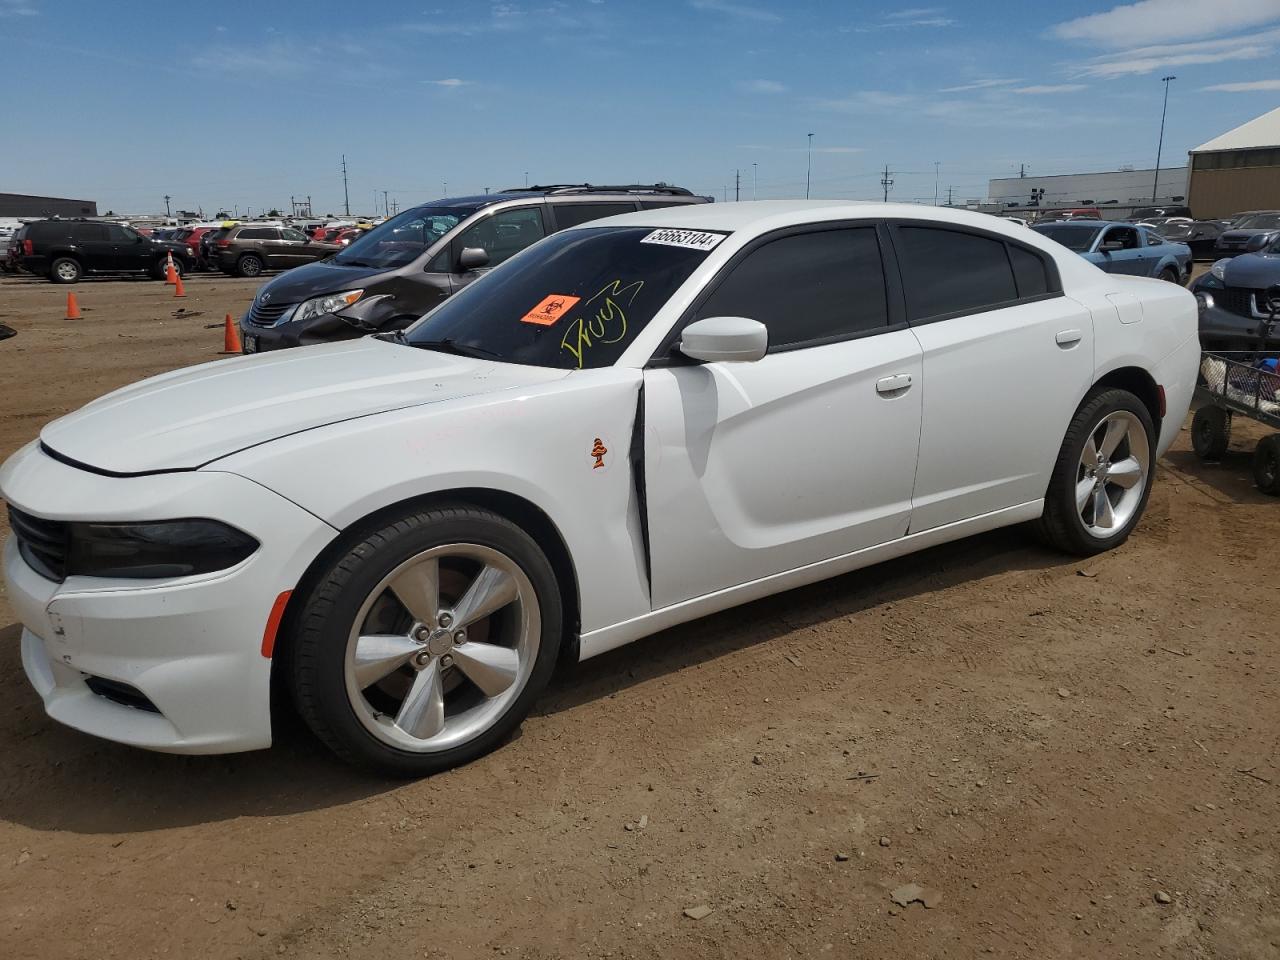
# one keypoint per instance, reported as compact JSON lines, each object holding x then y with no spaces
{"x":1029,"y":271}
{"x":655,"y":204}
{"x":572,"y":214}
{"x":119,"y":234}
{"x":292,"y":235}
{"x":256,"y":233}
{"x":1154,"y":240}
{"x":504,"y":234}
{"x":807,"y":287}
{"x":946,"y":272}
{"x":87,"y":231}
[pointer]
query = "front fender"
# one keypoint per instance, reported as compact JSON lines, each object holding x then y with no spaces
{"x":535,"y":443}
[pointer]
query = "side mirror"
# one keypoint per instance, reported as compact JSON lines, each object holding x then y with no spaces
{"x":473,"y":258}
{"x":724,"y":338}
{"x":1107,"y":246}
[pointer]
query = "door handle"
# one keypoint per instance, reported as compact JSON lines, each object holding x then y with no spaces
{"x":893,"y":385}
{"x":1068,"y":338}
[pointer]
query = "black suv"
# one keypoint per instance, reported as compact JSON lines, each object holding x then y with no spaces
{"x":65,"y":250}
{"x":404,"y":267}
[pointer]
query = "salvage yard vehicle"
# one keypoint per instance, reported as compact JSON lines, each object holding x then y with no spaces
{"x":249,"y":249}
{"x":1249,"y":234}
{"x":1122,"y":248}
{"x":388,"y":278}
{"x":631,"y":424}
{"x":66,"y":250}
{"x":1235,"y":305}
{"x":1200,"y":236}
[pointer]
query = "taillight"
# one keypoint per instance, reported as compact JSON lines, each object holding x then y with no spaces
{"x":223,"y":243}
{"x":28,"y":248}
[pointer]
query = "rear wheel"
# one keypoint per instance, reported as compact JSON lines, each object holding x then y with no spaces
{"x":1266,"y":465}
{"x":1102,"y":479}
{"x":425,"y":645}
{"x":65,"y":270}
{"x":1210,"y":433}
{"x":250,"y":265}
{"x":161,"y":269}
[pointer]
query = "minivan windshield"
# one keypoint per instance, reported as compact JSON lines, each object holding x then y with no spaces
{"x":1073,"y":236}
{"x":403,"y":238}
{"x":575,"y":300}
{"x":1261,"y":221}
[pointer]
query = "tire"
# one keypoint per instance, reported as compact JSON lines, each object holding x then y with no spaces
{"x":362,"y":717}
{"x":1210,"y":433}
{"x":65,"y":270}
{"x":159,"y":270}
{"x":1171,"y":275}
{"x":250,"y":265}
{"x":1266,"y":465}
{"x":1121,"y":475}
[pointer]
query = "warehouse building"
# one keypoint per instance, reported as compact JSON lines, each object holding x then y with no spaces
{"x":1123,"y":189}
{"x":25,"y":205}
{"x":1239,"y":170}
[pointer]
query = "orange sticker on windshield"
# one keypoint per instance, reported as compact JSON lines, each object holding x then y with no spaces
{"x":550,"y":310}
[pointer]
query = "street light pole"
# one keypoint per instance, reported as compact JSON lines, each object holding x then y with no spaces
{"x":809,"y":172}
{"x":937,"y":167}
{"x":755,"y":181}
{"x":1155,"y":184}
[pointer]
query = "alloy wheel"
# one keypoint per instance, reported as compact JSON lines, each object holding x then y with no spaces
{"x":1115,"y":466}
{"x":442,"y":646}
{"x":68,"y":271}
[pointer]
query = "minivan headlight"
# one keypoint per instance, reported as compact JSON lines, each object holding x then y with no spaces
{"x":165,"y":548}
{"x":1219,"y":270}
{"x":330,"y":303}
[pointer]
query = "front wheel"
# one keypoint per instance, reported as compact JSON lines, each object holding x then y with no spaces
{"x":65,"y":270}
{"x":426,"y":644}
{"x":250,"y":265}
{"x":1266,"y":465}
{"x":1102,"y":478}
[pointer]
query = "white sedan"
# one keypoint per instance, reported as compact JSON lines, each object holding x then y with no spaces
{"x":631,"y":424}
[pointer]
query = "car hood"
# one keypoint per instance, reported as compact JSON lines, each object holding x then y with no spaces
{"x":187,"y":418}
{"x":1253,"y":270}
{"x":1248,"y":234}
{"x":318,"y":279}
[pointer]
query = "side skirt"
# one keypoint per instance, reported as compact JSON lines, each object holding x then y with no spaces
{"x":620,"y":634}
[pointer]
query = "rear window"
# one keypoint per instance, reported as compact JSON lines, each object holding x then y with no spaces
{"x":1029,"y":271}
{"x":1074,"y":236}
{"x":575,"y":300}
{"x":256,"y":233}
{"x":947,"y":272}
{"x":572,"y":214}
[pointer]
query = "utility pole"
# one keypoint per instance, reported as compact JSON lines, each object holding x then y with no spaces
{"x":755,"y":181}
{"x":526,"y":178}
{"x":486,"y":189}
{"x":809,"y":172}
{"x":737,"y":185}
{"x":937,"y":167}
{"x":1155,"y":184}
{"x":166,"y":205}
{"x":386,"y":210}
{"x":346,"y":198}
{"x":444,"y":188}
{"x":948,"y":196}
{"x":725,"y":188}
{"x":1022,"y":171}
{"x":886,"y":182}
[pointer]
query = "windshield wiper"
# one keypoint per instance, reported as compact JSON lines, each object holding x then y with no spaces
{"x":450,"y":345}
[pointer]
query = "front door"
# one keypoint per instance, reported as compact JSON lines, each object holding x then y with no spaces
{"x":1127,"y":256}
{"x":757,"y":468}
{"x":129,"y":250}
{"x":501,"y":235}
{"x":1006,"y":359}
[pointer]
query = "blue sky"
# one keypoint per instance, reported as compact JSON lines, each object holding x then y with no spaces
{"x":238,"y":104}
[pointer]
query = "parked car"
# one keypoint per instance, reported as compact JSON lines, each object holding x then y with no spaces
{"x":1200,"y":235}
{"x":1146,"y":213}
{"x":192,"y":236}
{"x":1235,"y":301}
{"x":11,"y":262}
{"x":404,"y":267}
{"x":1122,"y":248}
{"x":627,"y":426}
{"x":248,"y":249}
{"x":66,"y":250}
{"x":1249,"y":234}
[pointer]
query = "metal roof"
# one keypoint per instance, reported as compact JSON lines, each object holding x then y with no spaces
{"x":1263,"y":131}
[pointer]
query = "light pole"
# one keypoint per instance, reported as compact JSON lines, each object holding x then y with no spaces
{"x":755,"y":181}
{"x":809,"y":172}
{"x":526,"y":178}
{"x":937,"y":167}
{"x":1155,"y":184}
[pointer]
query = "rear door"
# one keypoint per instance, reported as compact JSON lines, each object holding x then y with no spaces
{"x":94,"y":243}
{"x":1006,"y":358}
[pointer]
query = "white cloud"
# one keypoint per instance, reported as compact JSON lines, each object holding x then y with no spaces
{"x":1154,"y":21}
{"x":17,"y":8}
{"x":914,"y":13}
{"x":448,"y":82}
{"x":742,"y":11}
{"x":1246,"y":86}
{"x":864,"y":100}
{"x":980,"y":85}
{"x":1122,"y":66}
{"x":765,"y":86}
{"x":1050,"y":88}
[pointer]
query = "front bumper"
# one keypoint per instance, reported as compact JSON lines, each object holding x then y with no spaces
{"x":1225,"y":329}
{"x":192,"y":646}
{"x":326,"y":328}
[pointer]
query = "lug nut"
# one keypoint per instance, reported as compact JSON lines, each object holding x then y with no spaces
{"x":422,"y":634}
{"x":445,"y":619}
{"x":460,"y":636}
{"x":423,"y":659}
{"x":446,"y":661}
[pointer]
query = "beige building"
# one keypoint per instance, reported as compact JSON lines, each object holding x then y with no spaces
{"x":1239,"y":170}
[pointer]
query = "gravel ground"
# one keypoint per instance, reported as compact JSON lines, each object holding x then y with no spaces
{"x":1071,"y":759}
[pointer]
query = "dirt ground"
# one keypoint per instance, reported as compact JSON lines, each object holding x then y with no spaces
{"x":1043,"y":744}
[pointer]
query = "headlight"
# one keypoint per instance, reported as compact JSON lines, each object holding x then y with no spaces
{"x":1218,"y":271}
{"x":166,"y":548}
{"x":330,"y":303}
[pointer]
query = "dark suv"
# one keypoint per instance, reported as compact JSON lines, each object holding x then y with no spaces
{"x":247,"y":249}
{"x":391,"y":276}
{"x":66,"y":250}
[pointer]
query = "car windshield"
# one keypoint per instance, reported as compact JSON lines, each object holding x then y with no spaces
{"x":575,"y":300}
{"x":1179,"y":229}
{"x":1073,"y":236}
{"x":403,"y":238}
{"x":1261,"y":221}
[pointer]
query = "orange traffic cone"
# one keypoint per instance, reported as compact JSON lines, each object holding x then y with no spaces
{"x":178,"y":290}
{"x":231,"y":337}
{"x":170,"y":274}
{"x":73,"y":308}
